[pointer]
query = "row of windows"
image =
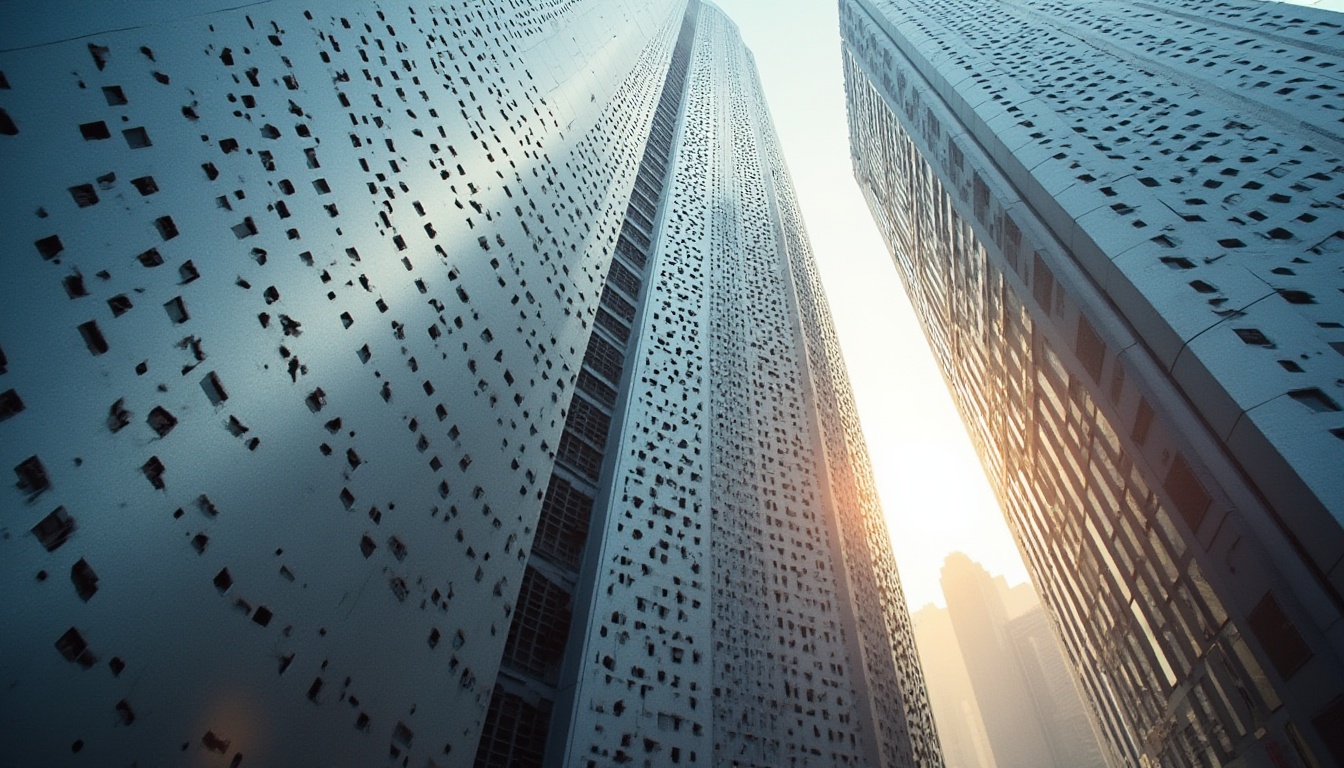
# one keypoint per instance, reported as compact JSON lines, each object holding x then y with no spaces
{"x":516,"y":731}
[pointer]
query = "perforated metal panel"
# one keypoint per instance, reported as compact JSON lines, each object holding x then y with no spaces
{"x":747,"y":610}
{"x":439,"y":386}
{"x":298,"y":298}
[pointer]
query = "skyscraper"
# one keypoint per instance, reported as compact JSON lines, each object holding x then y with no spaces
{"x":445,"y":385}
{"x":1068,"y":728}
{"x":1120,"y":225}
{"x":1025,"y":696}
{"x":1016,"y":733}
{"x":961,"y":731}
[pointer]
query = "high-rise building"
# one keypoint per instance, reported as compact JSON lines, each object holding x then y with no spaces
{"x":1025,"y":695}
{"x":443,"y":385}
{"x":1016,"y":732}
{"x":1120,"y":224}
{"x":961,"y":731}
{"x":1054,"y":694}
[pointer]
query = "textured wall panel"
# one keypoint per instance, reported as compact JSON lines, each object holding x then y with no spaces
{"x":298,"y":301}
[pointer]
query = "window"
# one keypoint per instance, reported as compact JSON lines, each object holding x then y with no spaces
{"x":136,"y":138}
{"x":562,"y":528}
{"x":539,"y":628}
{"x":1314,"y":399}
{"x":514,"y":734}
{"x":1187,"y":492}
{"x":1277,"y":635}
{"x":1253,"y":336}
{"x":95,"y":131}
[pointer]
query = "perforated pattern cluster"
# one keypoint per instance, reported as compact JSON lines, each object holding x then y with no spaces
{"x":437,"y":386}
{"x":642,"y":694}
{"x":299,"y":296}
{"x":785,"y":684}
{"x":724,"y":628}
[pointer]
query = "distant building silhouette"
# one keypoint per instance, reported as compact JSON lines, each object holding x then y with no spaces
{"x":1016,"y":734}
{"x":961,"y":732}
{"x":1030,"y":707}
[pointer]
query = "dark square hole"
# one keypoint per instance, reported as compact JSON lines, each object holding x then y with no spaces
{"x":177,"y":310}
{"x":167,"y":229}
{"x":84,"y":579}
{"x":32,"y":476}
{"x":214,"y":389}
{"x":161,"y":421}
{"x":1252,"y":336}
{"x":74,"y":648}
{"x":52,"y":530}
{"x":95,"y":131}
{"x":145,"y":185}
{"x":137,"y":138}
{"x":10,"y":404}
{"x":1314,"y":399}
{"x":154,"y":470}
{"x":114,"y":95}
{"x":93,"y":338}
{"x":49,"y":247}
{"x":119,"y":304}
{"x":85,"y":195}
{"x":223,"y":581}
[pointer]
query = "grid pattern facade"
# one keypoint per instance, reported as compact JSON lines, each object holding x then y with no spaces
{"x":515,"y":732}
{"x":1107,"y":219}
{"x":537,"y":632}
{"x":562,"y":528}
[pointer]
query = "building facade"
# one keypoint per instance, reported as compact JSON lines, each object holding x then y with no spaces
{"x":1120,"y":225}
{"x":440,"y":385}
